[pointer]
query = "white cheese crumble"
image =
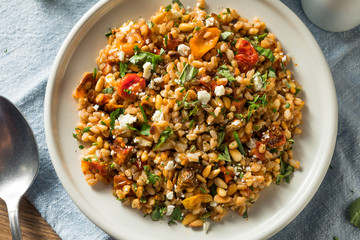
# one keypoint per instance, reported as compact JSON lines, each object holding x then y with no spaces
{"x":158,"y":116}
{"x":236,"y":123}
{"x":252,"y":143}
{"x":112,"y":152}
{"x":109,"y":78}
{"x":206,"y":226}
{"x":112,"y":50}
{"x":169,"y":209}
{"x":177,"y":159}
{"x":121,"y":56}
{"x":203,"y":96}
{"x":158,"y":80}
{"x":170,"y":195}
{"x":219,"y":90}
{"x":248,"y":169}
{"x":266,"y":135}
{"x":213,"y":204}
{"x":283,"y":59}
{"x":96,"y":107}
{"x":258,"y":84}
{"x":210,"y":22}
{"x":184,"y":50}
{"x":169,"y":166}
{"x":126,"y":27}
{"x":147,"y":70}
{"x":123,"y":120}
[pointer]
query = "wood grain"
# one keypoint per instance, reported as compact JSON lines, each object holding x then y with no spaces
{"x":33,"y":226}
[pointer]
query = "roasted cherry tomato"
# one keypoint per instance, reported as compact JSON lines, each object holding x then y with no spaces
{"x":130,"y":85}
{"x":228,"y":175}
{"x":200,"y":45}
{"x":121,"y":180}
{"x":247,"y":56}
{"x":96,"y":167}
{"x":276,"y":138}
{"x":171,"y":43}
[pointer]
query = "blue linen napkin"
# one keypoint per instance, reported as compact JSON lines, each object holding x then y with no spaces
{"x":32,"y":32}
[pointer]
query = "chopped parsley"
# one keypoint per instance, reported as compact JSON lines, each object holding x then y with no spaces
{"x":150,"y":24}
{"x":297,"y":90}
{"x":225,"y":35}
{"x":108,"y":90}
{"x":131,"y":127}
{"x":162,"y":51}
{"x":245,"y":215}
{"x":287,"y":105}
{"x":113,"y":116}
{"x":265,"y":52}
{"x":179,"y":3}
{"x":128,"y":91}
{"x":176,"y":214}
{"x":143,"y":113}
{"x":197,"y":28}
{"x":141,"y":57}
{"x":167,"y":8}
{"x":272,"y":73}
{"x":152,"y":177}
{"x":188,"y":73}
{"x":95,"y":73}
{"x":253,"y":106}
{"x":81,"y":146}
{"x":166,"y":40}
{"x":285,"y":171}
{"x":86,"y":129}
{"x":158,"y":212}
{"x":145,"y":129}
{"x":123,"y":68}
{"x":164,"y":136}
{"x":259,"y":38}
{"x":225,"y":156}
{"x":202,"y":190}
{"x":109,"y":33}
{"x":225,"y":72}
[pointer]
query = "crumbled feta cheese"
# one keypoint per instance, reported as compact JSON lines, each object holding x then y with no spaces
{"x":112,"y":50}
{"x":266,"y":135}
{"x":283,"y":59}
{"x":169,"y":209}
{"x":141,"y":94}
{"x":184,"y":50}
{"x":258,"y":84}
{"x":123,"y":120}
{"x":152,"y":86}
{"x":112,"y":152}
{"x":210,"y":22}
{"x":169,"y":166}
{"x":206,"y":226}
{"x":203,"y":96}
{"x":158,"y":116}
{"x":109,"y":78}
{"x":158,"y":80}
{"x":177,"y":159}
{"x":213,"y":204}
{"x":219,"y":90}
{"x":147,"y":70}
{"x":170,"y":195}
{"x":248,"y":169}
{"x":126,"y":27}
{"x":142,"y":142}
{"x":96,"y":107}
{"x":175,"y":14}
{"x":121,"y":56}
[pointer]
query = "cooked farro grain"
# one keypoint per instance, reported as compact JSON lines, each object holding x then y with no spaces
{"x":189,"y":114}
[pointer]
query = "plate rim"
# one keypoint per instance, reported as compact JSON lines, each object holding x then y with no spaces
{"x":87,"y":21}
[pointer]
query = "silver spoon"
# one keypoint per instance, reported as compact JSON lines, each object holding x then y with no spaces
{"x":19,"y":160}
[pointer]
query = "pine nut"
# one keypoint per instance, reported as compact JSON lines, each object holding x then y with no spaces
{"x":220,"y":183}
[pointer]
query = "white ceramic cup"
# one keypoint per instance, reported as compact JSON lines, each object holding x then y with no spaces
{"x":333,"y":15}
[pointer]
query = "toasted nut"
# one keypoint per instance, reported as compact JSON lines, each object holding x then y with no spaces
{"x":221,"y":192}
{"x":236,"y":155}
{"x":196,"y":223}
{"x":220,"y":199}
{"x":231,"y":189}
{"x":214,"y":173}
{"x":189,"y":218}
{"x":158,"y":18}
{"x":227,"y":102}
{"x":206,"y":171}
{"x":99,"y":85}
{"x":186,"y":27}
{"x":200,"y":178}
{"x":220,"y":183}
{"x":158,"y":102}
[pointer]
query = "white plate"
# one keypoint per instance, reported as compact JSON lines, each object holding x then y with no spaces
{"x":277,"y":206}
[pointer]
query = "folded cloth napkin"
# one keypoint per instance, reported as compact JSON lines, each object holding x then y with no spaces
{"x":31,"y":34}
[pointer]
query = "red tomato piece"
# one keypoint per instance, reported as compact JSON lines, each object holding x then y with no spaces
{"x":276,"y":138}
{"x":121,"y":180}
{"x":228,"y":176}
{"x":247,"y":56}
{"x":96,"y":167}
{"x":130,"y":85}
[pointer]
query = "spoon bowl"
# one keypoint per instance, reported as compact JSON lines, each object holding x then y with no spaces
{"x":19,"y":160}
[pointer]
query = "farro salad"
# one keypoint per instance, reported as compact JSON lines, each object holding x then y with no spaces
{"x":189,"y":114}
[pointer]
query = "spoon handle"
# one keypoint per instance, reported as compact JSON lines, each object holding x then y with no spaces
{"x":13,"y":210}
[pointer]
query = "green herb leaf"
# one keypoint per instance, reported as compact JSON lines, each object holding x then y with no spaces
{"x":86,"y":129}
{"x":179,"y":3}
{"x":285,"y":171}
{"x":142,"y":57}
{"x":263,"y":100}
{"x":287,"y":105}
{"x":95,"y":72}
{"x":259,"y":38}
{"x":108,"y":90}
{"x":354,"y":213}
{"x":272,"y":73}
{"x":113,"y":116}
{"x":245,"y":215}
{"x":166,"y":40}
{"x":164,"y":136}
{"x":197,"y":28}
{"x":162,"y":51}
{"x":220,"y":136}
{"x":205,"y":216}
{"x":131,"y":127}
{"x":253,"y":106}
{"x":188,"y":73}
{"x":143,"y":113}
{"x":274,"y":110}
{"x":158,"y":212}
{"x":152,"y":177}
{"x":297,"y":90}
{"x":109,"y":33}
{"x":167,"y":8}
{"x":225,"y":35}
{"x":225,"y":156}
{"x":123,"y":69}
{"x":176,"y":214}
{"x":225,"y":72}
{"x":265,"y":52}
{"x":81,"y":146}
{"x":145,"y":129}
{"x":240,"y":146}
{"x":150,"y":24}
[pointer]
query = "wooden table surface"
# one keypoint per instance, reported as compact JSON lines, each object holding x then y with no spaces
{"x":33,"y":226}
